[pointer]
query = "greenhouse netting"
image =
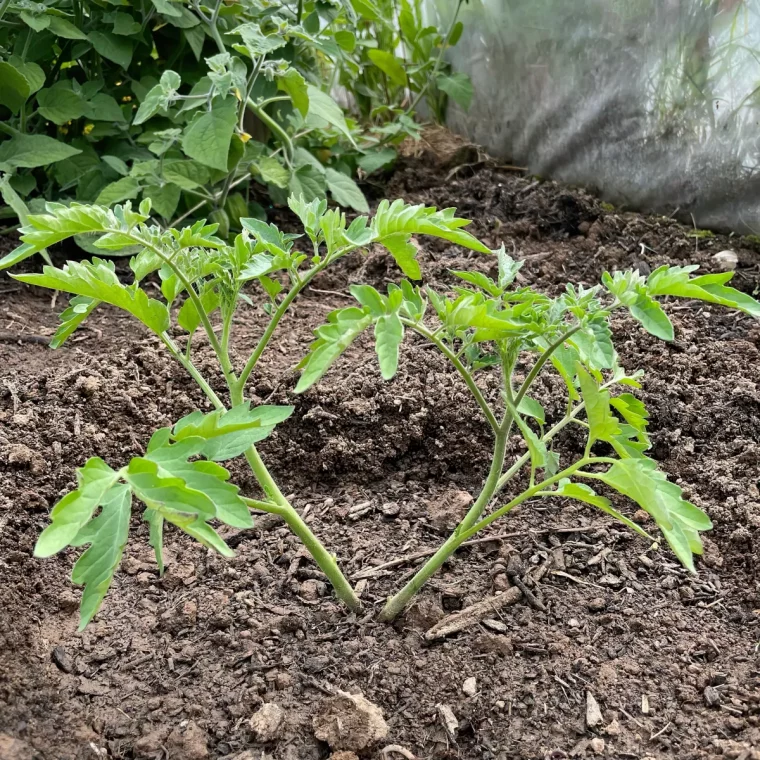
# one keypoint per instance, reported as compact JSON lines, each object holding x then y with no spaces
{"x":652,"y":103}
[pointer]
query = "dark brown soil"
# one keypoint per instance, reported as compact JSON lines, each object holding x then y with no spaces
{"x":176,"y":667}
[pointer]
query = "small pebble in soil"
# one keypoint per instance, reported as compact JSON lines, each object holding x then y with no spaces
{"x":726,"y":260}
{"x":597,"y":745}
{"x":349,"y":722}
{"x":267,"y":722}
{"x":597,"y":604}
{"x":712,"y":696}
{"x":470,"y":687}
{"x":390,"y":509}
{"x":593,"y":712}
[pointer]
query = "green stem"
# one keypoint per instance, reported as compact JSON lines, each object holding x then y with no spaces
{"x":396,"y":604}
{"x":540,"y":362}
{"x":399,"y":601}
{"x":195,"y":298}
{"x":4,"y":7}
{"x":275,"y":127}
{"x":460,"y":368}
{"x":295,"y":522}
{"x":274,"y":321}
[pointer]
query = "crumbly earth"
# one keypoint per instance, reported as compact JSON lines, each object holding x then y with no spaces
{"x":176,"y":666}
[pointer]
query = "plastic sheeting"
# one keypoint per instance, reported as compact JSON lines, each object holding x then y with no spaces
{"x":653,"y":104}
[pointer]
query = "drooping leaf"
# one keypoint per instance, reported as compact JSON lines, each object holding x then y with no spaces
{"x":679,"y":520}
{"x":389,"y":332}
{"x":122,"y":189}
{"x":74,"y":510}
{"x":674,"y":281}
{"x":603,"y":426}
{"x":107,"y":535}
{"x":333,"y":338}
{"x":97,"y":280}
{"x":80,"y":307}
{"x":582,"y":492}
{"x":654,"y":320}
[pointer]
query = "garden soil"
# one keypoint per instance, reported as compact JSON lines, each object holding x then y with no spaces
{"x":619,"y":653}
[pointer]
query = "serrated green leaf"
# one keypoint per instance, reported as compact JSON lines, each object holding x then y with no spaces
{"x":582,"y":492}
{"x":678,"y":519}
{"x":207,"y":138}
{"x":479,"y":280}
{"x":603,"y":426}
{"x":31,"y":151}
{"x":674,"y":281}
{"x":333,"y":338}
{"x":389,"y":332}
{"x":188,"y":175}
{"x":107,"y":535}
{"x":80,"y":307}
{"x":75,"y":509}
{"x":97,"y":280}
{"x":650,"y":314}
{"x":345,"y":191}
{"x":188,"y":317}
{"x":228,"y":434}
{"x":594,"y":343}
{"x":399,"y":245}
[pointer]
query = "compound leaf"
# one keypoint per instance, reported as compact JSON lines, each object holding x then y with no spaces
{"x":97,"y":280}
{"x":603,"y":426}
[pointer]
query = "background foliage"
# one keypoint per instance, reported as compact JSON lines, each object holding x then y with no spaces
{"x":202,"y":108}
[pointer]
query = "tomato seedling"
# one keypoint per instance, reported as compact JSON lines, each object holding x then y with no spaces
{"x":491,"y":324}
{"x":179,"y":479}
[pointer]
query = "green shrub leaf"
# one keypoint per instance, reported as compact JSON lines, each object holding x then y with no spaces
{"x":207,"y":138}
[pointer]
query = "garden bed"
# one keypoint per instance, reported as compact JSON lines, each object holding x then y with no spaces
{"x":176,"y":666}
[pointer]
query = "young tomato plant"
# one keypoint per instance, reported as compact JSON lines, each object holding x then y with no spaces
{"x":492,"y":324}
{"x":179,"y":479}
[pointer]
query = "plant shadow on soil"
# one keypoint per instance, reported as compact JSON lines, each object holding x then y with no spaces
{"x":175,"y":667}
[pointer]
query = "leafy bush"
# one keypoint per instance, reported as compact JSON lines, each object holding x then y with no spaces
{"x":188,"y":105}
{"x":486,"y":325}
